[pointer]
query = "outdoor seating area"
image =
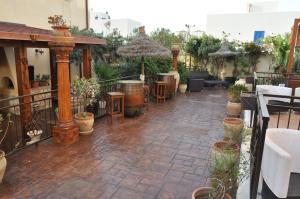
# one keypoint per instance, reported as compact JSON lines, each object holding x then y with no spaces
{"x":92,"y":106}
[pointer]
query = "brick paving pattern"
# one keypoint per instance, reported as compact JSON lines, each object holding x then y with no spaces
{"x":161,"y":154}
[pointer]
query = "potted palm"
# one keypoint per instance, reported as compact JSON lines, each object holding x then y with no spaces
{"x":183,"y":82}
{"x":44,"y":80}
{"x":234,"y":107}
{"x":3,"y":134}
{"x":85,"y":90}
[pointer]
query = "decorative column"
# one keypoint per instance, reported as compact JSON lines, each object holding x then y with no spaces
{"x":175,"y":52}
{"x":65,"y":131}
{"x":293,"y":43}
{"x":23,"y":87}
{"x":87,"y":58}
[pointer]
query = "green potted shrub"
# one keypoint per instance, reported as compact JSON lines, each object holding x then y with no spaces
{"x":183,"y":82}
{"x":3,"y":134}
{"x":85,"y":90}
{"x":234,"y":107}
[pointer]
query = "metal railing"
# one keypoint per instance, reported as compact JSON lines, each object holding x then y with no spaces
{"x":43,"y":107}
{"x":262,"y":116}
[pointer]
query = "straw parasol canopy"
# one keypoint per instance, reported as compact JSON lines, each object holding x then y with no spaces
{"x":224,"y":51}
{"x":142,"y":46}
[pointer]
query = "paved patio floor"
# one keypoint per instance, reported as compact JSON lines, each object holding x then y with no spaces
{"x":161,"y":154}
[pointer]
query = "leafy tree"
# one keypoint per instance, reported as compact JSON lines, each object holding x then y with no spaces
{"x":254,"y":52}
{"x":165,"y":37}
{"x":279,"y":47}
{"x":200,"y":47}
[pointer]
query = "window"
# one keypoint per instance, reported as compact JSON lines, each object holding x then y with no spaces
{"x":258,"y":36}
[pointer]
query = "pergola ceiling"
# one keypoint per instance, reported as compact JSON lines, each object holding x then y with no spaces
{"x":14,"y":34}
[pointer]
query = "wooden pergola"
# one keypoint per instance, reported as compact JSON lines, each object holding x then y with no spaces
{"x":61,"y":43}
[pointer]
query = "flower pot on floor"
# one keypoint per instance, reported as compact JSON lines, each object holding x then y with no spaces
{"x":3,"y":163}
{"x":182,"y":88}
{"x":233,"y":128}
{"x":224,"y":149}
{"x":85,"y":122}
{"x":35,"y":84}
{"x":234,"y":109}
{"x":203,"y":193}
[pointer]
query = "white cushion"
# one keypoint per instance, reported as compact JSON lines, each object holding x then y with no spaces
{"x":281,"y":156}
{"x":275,"y":90}
{"x":297,"y":94}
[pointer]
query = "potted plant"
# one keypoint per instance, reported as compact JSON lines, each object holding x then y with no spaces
{"x":85,"y":89}
{"x":3,"y":134}
{"x":183,"y":82}
{"x":44,"y":80}
{"x":35,"y":135}
{"x":234,"y":107}
{"x":36,"y":82}
{"x":233,"y":128}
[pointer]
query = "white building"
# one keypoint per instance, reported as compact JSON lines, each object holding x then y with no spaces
{"x":260,"y":20}
{"x":101,"y":23}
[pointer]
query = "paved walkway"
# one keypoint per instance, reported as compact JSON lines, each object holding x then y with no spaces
{"x":161,"y":154}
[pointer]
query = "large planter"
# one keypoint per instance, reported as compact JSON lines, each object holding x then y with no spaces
{"x":182,"y":88}
{"x":2,"y":165}
{"x":234,"y":109}
{"x":85,"y":122}
{"x":222,"y":149}
{"x":203,"y":192}
{"x":233,"y":128}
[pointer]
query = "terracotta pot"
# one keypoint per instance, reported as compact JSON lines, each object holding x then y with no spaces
{"x":233,"y":128}
{"x":234,"y":109}
{"x":222,"y":149}
{"x":85,"y":122}
{"x":3,"y":164}
{"x":204,"y":191}
{"x":182,"y":88}
{"x":43,"y":83}
{"x":35,"y":84}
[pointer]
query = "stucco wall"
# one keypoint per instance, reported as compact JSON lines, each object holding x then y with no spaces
{"x":36,"y":12}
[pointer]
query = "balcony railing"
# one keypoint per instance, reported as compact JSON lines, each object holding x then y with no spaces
{"x":43,"y":108}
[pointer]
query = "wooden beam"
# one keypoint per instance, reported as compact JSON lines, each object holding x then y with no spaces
{"x":23,"y":87}
{"x":294,"y":35}
{"x":87,"y":71}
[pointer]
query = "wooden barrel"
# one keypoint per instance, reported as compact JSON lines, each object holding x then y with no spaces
{"x":171,"y":83}
{"x":134,"y":96}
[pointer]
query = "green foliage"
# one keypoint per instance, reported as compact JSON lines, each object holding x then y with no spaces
{"x":235,"y":91}
{"x":200,"y":47}
{"x":87,"y":89}
{"x":165,"y":37}
{"x":106,"y":71}
{"x":153,"y":65}
{"x":226,"y":169}
{"x":183,"y":72}
{"x":279,"y":47}
{"x":253,"y":51}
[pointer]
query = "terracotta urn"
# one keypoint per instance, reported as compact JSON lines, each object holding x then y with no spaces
{"x":182,"y":88}
{"x":203,"y":192}
{"x":234,"y":109}
{"x":233,"y":128}
{"x":224,"y":149}
{"x":85,"y":122}
{"x":3,"y":164}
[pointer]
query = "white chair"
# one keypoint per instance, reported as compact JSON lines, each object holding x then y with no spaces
{"x":281,"y":157}
{"x":297,"y":94}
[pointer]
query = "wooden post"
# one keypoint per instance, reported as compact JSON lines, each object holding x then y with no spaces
{"x":65,"y":131}
{"x":294,"y":35}
{"x":87,"y":58}
{"x":23,"y":87}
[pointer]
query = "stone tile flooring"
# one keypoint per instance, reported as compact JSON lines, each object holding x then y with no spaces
{"x":161,"y":154}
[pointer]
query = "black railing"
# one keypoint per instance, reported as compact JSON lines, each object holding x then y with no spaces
{"x":42,"y":115}
{"x":269,"y":115}
{"x":43,"y":108}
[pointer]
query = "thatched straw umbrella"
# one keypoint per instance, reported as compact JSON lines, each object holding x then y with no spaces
{"x":142,"y":46}
{"x":223,"y":52}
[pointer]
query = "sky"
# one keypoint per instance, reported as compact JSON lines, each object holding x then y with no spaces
{"x":174,"y":14}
